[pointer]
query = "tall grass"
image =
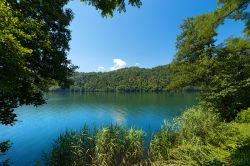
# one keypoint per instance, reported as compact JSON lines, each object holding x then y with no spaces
{"x":118,"y":146}
{"x":72,"y":148}
{"x":110,"y":146}
{"x":198,"y":137}
{"x":162,"y":142}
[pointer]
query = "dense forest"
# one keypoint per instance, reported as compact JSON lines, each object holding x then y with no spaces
{"x":127,"y":79}
{"x":133,"y":79}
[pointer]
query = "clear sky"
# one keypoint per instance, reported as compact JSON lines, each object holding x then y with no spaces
{"x":143,"y":37}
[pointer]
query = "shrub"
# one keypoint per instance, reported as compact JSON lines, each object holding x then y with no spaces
{"x":243,"y":116}
{"x":198,"y":123}
{"x":198,"y":138}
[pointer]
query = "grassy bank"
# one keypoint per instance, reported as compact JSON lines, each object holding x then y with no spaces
{"x":198,"y":137}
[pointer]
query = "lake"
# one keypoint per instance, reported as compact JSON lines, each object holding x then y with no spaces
{"x":38,"y":127}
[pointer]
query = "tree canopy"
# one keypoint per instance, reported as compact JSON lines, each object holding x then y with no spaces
{"x":107,"y":8}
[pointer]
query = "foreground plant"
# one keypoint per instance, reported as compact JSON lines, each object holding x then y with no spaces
{"x":197,"y":137}
{"x":109,"y":146}
{"x":72,"y":148}
{"x":118,"y":146}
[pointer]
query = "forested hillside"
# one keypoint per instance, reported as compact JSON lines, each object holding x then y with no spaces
{"x":127,"y":79}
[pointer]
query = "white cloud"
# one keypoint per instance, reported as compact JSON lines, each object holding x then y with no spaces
{"x":137,"y":64}
{"x":118,"y":64}
{"x":101,"y":68}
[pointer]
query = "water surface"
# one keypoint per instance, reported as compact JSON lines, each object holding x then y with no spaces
{"x":38,"y":127}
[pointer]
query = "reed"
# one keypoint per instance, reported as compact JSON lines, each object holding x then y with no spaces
{"x":72,"y":149}
{"x":118,"y":146}
{"x":110,"y":146}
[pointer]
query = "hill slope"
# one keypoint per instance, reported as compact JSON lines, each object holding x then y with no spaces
{"x":127,"y":79}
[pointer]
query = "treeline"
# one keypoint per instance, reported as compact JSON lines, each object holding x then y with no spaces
{"x":133,"y":79}
{"x":128,"y":79}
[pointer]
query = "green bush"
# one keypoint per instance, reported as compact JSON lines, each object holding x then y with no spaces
{"x":198,"y":137}
{"x":198,"y":123}
{"x":243,"y":116}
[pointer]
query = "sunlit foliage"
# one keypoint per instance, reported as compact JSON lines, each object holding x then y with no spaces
{"x":221,"y":70}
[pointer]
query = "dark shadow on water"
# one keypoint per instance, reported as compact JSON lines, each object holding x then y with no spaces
{"x":4,"y":147}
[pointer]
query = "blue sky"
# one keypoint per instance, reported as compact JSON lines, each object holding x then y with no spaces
{"x":143,"y":37}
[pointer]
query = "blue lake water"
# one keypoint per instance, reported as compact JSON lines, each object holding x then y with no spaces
{"x":38,"y":127}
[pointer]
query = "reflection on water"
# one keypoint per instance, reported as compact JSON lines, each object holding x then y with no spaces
{"x":119,"y":115}
{"x":38,"y":127}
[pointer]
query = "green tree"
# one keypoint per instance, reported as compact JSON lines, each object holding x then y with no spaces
{"x":222,"y":70}
{"x":34,"y":44}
